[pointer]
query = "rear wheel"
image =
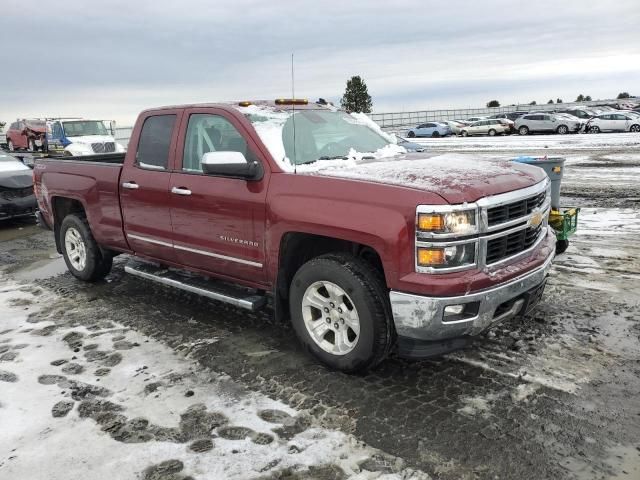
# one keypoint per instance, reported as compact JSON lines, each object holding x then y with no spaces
{"x":340,"y":312}
{"x":492,"y":133}
{"x":435,"y":134}
{"x":523,"y":130}
{"x":562,"y":129}
{"x":81,"y":253}
{"x":464,"y":133}
{"x":634,"y":128}
{"x":411,"y":134}
{"x":561,"y":246}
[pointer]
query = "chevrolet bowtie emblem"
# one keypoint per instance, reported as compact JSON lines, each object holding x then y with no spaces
{"x":536,"y":219}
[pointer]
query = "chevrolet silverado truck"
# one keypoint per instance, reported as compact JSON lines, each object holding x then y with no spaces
{"x":314,"y":213}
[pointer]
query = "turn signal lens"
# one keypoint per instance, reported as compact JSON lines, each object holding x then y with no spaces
{"x":556,"y":169}
{"x":429,"y":257}
{"x":244,"y":104}
{"x":428,"y":222}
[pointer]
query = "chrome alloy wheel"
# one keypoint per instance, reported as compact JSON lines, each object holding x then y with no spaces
{"x":76,"y":249}
{"x":331,"y":318}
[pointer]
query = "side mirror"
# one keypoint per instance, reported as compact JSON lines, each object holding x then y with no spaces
{"x":230,"y":164}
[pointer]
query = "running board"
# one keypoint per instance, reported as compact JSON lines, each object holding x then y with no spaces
{"x":223,"y":292}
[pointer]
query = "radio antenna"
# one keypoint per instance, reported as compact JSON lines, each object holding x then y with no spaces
{"x":293,"y":116}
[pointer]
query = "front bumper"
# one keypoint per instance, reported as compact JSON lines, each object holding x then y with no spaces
{"x":17,"y":207}
{"x":421,"y":319}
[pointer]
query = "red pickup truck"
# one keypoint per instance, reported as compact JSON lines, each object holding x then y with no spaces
{"x":362,"y":246}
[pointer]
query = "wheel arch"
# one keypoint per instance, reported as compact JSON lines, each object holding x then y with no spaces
{"x":296,"y":248}
{"x":60,"y":208}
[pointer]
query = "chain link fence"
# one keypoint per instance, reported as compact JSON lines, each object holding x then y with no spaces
{"x":391,"y":120}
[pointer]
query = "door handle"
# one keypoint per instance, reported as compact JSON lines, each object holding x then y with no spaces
{"x":181,"y":191}
{"x":130,"y":185}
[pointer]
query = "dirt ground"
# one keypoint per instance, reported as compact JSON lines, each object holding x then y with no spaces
{"x":553,"y":395}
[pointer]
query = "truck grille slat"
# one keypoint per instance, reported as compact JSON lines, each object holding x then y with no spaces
{"x":512,"y":244}
{"x":514,"y":210}
{"x":106,"y":147}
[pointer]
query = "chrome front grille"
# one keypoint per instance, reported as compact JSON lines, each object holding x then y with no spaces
{"x":106,"y":147}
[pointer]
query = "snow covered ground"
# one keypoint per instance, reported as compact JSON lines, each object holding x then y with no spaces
{"x":104,"y":402}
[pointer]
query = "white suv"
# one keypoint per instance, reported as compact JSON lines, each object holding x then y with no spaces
{"x":614,"y":122}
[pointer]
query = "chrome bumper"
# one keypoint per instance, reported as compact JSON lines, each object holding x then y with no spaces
{"x":422,"y":318}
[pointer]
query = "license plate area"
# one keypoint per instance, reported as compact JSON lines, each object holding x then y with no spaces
{"x":533,"y":297}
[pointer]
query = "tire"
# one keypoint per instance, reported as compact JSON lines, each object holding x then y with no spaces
{"x":492,"y":133}
{"x":435,"y":134}
{"x":32,"y":145}
{"x":594,"y":129}
{"x":10,"y":146}
{"x":464,"y":133}
{"x":360,"y":289}
{"x":523,"y":130}
{"x":89,"y":264}
{"x":561,"y":246}
{"x":562,"y":130}
{"x":634,"y":128}
{"x":411,"y":135}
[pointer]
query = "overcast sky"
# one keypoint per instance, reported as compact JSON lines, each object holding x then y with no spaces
{"x":113,"y":58}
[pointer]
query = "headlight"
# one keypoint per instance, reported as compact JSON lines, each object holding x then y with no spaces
{"x":451,"y":256}
{"x":457,"y":222}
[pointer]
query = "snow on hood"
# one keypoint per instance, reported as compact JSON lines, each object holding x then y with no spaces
{"x":89,"y":139}
{"x":457,"y":178}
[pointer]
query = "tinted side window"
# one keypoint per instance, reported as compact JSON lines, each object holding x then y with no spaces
{"x":424,"y":125}
{"x":429,"y":125}
{"x":155,"y":138}
{"x":211,"y":133}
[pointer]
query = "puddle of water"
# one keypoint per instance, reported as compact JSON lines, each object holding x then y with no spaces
{"x":47,"y":268}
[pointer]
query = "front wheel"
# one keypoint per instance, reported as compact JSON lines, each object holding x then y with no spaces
{"x":464,"y":133}
{"x":411,"y":135}
{"x":634,"y":128}
{"x":340,"y":312}
{"x":492,"y":133}
{"x":81,"y":253}
{"x":594,"y":129}
{"x":32,"y":145}
{"x":523,"y":130}
{"x":563,"y":129}
{"x":11,"y":147}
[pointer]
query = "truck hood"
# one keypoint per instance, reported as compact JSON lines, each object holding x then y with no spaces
{"x":89,"y":139}
{"x":456,"y":178}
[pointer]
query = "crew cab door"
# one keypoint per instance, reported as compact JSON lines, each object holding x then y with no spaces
{"x":218,"y":221}
{"x":144,"y":185}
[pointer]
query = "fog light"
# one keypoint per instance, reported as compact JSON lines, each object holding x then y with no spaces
{"x":453,"y":310}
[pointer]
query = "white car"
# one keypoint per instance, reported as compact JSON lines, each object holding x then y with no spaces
{"x":614,"y":122}
{"x":475,"y":119}
{"x":455,"y":126}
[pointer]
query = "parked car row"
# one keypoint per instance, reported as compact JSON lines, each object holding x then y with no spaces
{"x":588,"y":119}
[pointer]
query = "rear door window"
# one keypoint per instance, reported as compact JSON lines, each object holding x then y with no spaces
{"x":155,"y":139}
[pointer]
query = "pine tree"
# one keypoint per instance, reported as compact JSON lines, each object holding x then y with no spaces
{"x":356,"y":98}
{"x":550,"y":101}
{"x":559,"y":100}
{"x":623,"y":95}
{"x":533,"y":103}
{"x":493,"y":104}
{"x":580,"y":98}
{"x":587,"y":98}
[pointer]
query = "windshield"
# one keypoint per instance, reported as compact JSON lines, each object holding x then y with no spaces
{"x":319,"y":134}
{"x":79,"y":128}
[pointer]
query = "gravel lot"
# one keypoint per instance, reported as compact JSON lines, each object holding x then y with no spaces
{"x":554,"y":395}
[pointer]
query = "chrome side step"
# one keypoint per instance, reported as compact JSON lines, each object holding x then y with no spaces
{"x":237,"y":296}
